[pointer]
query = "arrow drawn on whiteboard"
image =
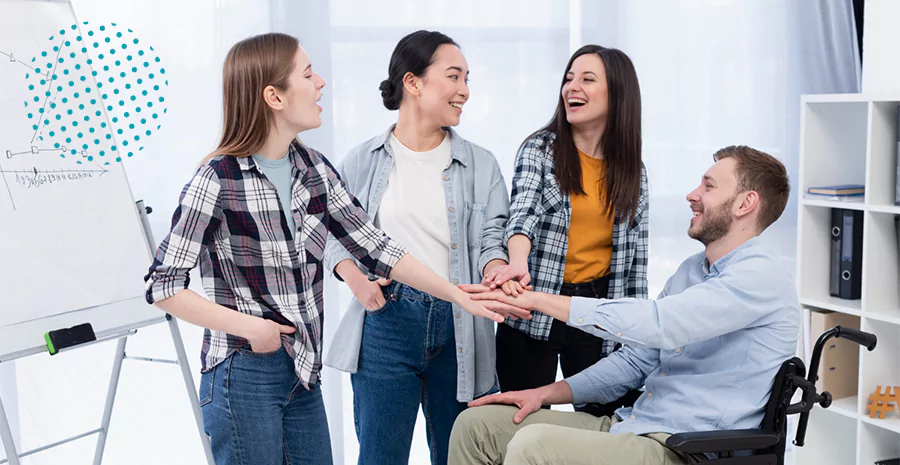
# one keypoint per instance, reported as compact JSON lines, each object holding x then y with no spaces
{"x":35,"y":177}
{"x":37,"y":172}
{"x":12,"y":59}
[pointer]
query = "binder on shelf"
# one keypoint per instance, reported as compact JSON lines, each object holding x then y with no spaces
{"x":846,"y":253}
{"x":897,"y":184}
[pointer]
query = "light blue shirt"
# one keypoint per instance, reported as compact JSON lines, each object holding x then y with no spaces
{"x":278,"y":172}
{"x":706,"y":351}
{"x":477,"y":209}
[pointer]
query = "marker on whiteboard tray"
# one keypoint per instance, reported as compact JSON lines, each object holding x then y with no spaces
{"x":67,"y":337}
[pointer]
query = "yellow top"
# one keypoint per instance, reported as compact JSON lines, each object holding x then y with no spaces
{"x":590,"y":229}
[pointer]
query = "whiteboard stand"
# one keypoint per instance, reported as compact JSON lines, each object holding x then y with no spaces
{"x":12,"y":456}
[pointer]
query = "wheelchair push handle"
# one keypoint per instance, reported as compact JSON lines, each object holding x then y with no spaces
{"x":867,"y":340}
{"x":810,"y":397}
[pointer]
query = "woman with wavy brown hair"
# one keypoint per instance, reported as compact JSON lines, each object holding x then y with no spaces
{"x":579,"y":218}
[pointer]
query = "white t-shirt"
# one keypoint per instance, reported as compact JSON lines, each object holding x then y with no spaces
{"x":413,"y":210}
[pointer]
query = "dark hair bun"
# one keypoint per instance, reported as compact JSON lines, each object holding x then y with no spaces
{"x":390,"y":95}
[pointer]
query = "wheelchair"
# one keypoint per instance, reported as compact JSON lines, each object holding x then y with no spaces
{"x":766,"y":445}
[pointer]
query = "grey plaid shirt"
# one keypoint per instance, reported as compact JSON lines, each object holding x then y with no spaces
{"x":540,"y":211}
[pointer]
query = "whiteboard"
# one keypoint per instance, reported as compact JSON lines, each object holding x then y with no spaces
{"x":72,"y":248}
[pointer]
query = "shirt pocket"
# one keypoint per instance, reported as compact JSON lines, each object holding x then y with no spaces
{"x":551,"y":197}
{"x":475,"y":213}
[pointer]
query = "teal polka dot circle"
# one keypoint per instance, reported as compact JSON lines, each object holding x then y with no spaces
{"x":101,"y":124}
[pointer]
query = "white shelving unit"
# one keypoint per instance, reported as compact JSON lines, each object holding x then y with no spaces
{"x":852,"y":139}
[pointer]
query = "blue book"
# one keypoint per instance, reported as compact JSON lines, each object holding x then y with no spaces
{"x":844,"y":190}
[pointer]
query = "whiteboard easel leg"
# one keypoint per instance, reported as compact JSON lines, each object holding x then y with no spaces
{"x":191,"y":388}
{"x":6,"y":435}
{"x":110,"y":398}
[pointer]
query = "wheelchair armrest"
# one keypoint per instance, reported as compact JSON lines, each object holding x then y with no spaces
{"x":721,"y":441}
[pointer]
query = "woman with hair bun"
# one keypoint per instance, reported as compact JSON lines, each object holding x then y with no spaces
{"x":444,"y":199}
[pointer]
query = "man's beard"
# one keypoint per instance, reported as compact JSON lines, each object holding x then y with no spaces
{"x":714,"y":223}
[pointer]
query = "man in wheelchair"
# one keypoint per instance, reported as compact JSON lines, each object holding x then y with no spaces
{"x":706,"y":350}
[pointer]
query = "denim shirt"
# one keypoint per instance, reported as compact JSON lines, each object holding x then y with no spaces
{"x":477,"y":212}
{"x":707,"y":350}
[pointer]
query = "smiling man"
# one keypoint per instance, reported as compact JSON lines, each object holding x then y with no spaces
{"x":706,"y":350}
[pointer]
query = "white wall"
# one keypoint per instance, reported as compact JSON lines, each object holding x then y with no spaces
{"x":881,"y":53}
{"x":707,"y":83}
{"x":63,"y":396}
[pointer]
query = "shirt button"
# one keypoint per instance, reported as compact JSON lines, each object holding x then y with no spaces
{"x":451,"y":208}
{"x":633,"y":417}
{"x":649,"y":394}
{"x":619,"y":334}
{"x":662,"y":374}
{"x":460,"y":350}
{"x":453,"y":246}
{"x":581,"y":320}
{"x":458,"y":315}
{"x":446,"y":178}
{"x":678,"y":350}
{"x":455,"y":282}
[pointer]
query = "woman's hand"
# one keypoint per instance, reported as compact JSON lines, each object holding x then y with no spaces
{"x":481,"y":309}
{"x":265,"y":335}
{"x":369,"y":293}
{"x":499,"y":275}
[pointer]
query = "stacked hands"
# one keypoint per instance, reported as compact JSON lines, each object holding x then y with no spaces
{"x":501,"y":294}
{"x":503,"y":291}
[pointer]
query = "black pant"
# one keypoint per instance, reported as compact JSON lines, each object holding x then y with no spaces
{"x":527,"y":363}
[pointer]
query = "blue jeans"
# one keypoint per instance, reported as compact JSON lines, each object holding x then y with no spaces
{"x":255,"y":411}
{"x":408,"y":357}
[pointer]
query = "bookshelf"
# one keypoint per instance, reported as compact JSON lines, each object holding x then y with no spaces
{"x":852,"y":139}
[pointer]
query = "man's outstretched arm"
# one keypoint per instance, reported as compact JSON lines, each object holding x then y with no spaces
{"x":745,"y":292}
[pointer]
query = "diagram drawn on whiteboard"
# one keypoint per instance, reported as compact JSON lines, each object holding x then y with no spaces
{"x":91,"y":96}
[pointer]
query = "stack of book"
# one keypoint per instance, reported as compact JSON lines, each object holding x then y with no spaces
{"x":850,"y":192}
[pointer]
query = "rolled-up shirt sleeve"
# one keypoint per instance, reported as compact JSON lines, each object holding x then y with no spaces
{"x":193,"y":224}
{"x":349,"y":223}
{"x":334,"y":251}
{"x":493,"y":245}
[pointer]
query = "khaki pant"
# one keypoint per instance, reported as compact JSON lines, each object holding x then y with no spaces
{"x":487,"y":435}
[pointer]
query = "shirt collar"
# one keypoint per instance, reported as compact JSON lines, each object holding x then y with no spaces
{"x":723,"y":262}
{"x":457,"y":151}
{"x":295,"y":152}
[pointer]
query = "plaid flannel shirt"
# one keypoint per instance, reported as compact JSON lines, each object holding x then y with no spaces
{"x":230,"y":219}
{"x":540,"y":211}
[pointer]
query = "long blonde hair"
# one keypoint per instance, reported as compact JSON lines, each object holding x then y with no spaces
{"x":251,"y":65}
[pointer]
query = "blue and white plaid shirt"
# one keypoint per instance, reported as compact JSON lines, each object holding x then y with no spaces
{"x":540,"y":211}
